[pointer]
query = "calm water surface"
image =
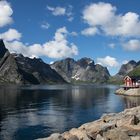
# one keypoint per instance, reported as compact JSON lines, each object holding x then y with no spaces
{"x":32,"y":112}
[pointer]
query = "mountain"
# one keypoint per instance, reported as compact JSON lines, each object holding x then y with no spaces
{"x":18,"y":69}
{"x":126,"y":68}
{"x":83,"y":70}
{"x":135,"y":71}
{"x":131,"y":68}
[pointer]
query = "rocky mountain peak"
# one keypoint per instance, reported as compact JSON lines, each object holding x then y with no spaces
{"x":84,"y":62}
{"x":138,"y":63}
{"x":69,"y":59}
{"x":17,"y":69}
{"x":83,"y":70}
{"x":126,"y":68}
{"x":132,"y":62}
{"x":3,"y":49}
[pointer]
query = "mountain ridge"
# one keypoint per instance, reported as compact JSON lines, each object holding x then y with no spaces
{"x":15,"y":68}
{"x":132,"y":68}
{"x":82,"y":70}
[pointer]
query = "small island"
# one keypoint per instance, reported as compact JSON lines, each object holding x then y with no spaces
{"x":131,"y":86}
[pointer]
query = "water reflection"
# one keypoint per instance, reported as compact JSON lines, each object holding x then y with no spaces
{"x":131,"y":101}
{"x":37,"y":111}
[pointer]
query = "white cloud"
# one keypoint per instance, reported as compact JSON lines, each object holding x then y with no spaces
{"x":45,"y":25}
{"x":62,"y":11}
{"x":132,"y":45}
{"x":69,"y":13}
{"x":58,"y":47}
{"x":112,"y":45}
{"x":5,"y":13}
{"x":125,"y":62}
{"x":57,"y":11}
{"x":16,"y":47}
{"x":100,"y":13}
{"x":74,"y":34}
{"x":10,"y":35}
{"x":90,"y":31}
{"x":108,"y":61}
{"x":104,"y":17}
{"x":70,"y":18}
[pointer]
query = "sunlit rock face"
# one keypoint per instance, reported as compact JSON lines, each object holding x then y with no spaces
{"x":83,"y":70}
{"x":23,"y":70}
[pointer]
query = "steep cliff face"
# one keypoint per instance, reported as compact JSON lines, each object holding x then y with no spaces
{"x":126,"y":68}
{"x":135,"y":71}
{"x":23,"y":70}
{"x":131,"y":68}
{"x":36,"y":71}
{"x":83,"y":70}
{"x":3,"y":50}
{"x":8,"y":67}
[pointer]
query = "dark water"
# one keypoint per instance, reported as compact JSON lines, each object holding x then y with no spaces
{"x":28,"y":113}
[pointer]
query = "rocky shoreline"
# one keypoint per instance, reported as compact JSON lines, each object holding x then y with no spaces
{"x":115,"y":126}
{"x":129,"y":92}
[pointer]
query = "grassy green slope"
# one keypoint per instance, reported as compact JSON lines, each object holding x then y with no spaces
{"x":135,"y":72}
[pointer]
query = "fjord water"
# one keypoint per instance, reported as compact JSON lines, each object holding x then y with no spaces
{"x":31,"y":112}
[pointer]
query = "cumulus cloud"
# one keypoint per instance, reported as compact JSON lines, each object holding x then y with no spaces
{"x":10,"y":35}
{"x":58,"y":47}
{"x":57,"y":11}
{"x":108,"y":61}
{"x":112,"y":45}
{"x":74,"y":34}
{"x":62,"y":11}
{"x":45,"y":25}
{"x":69,"y":13}
{"x":90,"y":31}
{"x":125,"y":62}
{"x":104,"y":17}
{"x":5,"y":13}
{"x":132,"y":45}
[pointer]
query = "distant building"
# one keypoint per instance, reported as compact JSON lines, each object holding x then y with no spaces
{"x":132,"y":81}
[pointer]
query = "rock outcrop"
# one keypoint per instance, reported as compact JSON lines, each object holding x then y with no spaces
{"x":17,"y":69}
{"x":128,"y":92}
{"x":121,"y":126}
{"x":83,"y":70}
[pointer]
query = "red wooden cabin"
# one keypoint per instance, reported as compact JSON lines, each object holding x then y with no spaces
{"x":128,"y":81}
{"x":131,"y":81}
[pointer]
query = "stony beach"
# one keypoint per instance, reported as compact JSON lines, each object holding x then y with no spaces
{"x":115,"y":126}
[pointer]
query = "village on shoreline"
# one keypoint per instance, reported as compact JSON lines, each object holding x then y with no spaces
{"x":131,"y":86}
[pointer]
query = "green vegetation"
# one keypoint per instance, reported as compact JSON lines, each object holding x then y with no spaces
{"x":116,"y":81}
{"x":135,"y":72}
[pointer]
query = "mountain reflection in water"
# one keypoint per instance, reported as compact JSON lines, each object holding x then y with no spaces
{"x":30,"y":112}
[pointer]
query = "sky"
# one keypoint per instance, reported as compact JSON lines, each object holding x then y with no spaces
{"x":107,"y":31}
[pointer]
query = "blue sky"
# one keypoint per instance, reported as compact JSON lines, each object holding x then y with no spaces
{"x":107,"y":31}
